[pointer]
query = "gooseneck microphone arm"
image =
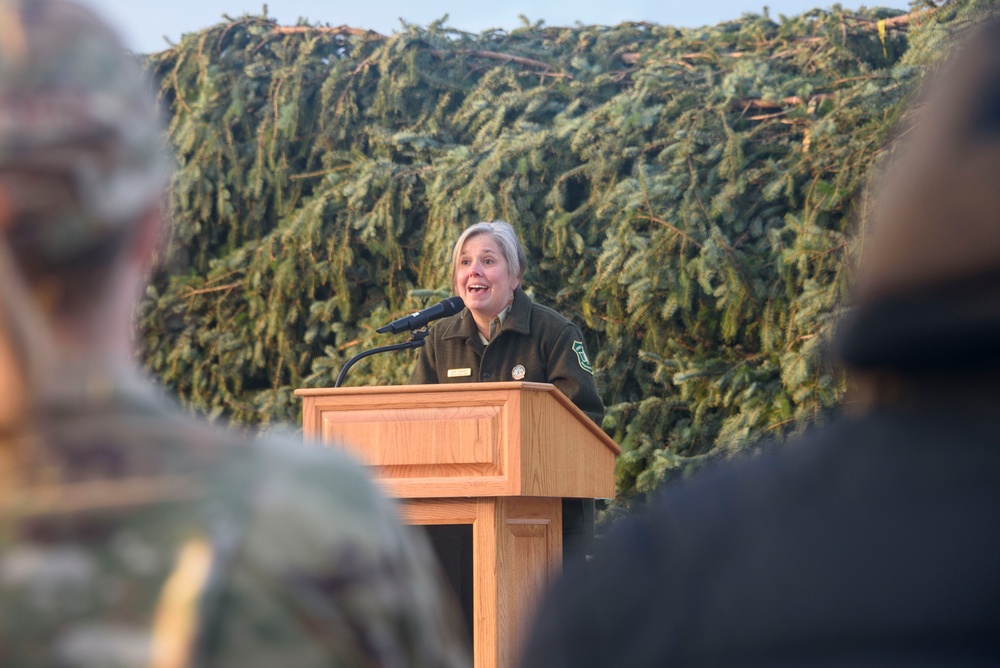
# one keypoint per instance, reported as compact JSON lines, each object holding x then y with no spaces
{"x":416,"y":340}
{"x":415,"y":323}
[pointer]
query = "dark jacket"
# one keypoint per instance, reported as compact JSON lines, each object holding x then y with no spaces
{"x":866,"y":544}
{"x":534,"y":340}
{"x":872,"y":541}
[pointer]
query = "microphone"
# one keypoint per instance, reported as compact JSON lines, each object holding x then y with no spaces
{"x":449,"y":306}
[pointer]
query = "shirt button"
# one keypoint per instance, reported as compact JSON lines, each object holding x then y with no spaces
{"x":487,"y":375}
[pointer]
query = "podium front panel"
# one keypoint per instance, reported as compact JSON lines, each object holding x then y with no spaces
{"x":427,"y":444}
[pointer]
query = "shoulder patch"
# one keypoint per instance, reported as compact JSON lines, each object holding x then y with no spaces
{"x":581,"y":355}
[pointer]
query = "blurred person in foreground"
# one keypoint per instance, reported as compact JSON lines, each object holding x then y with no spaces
{"x":130,"y":534}
{"x":873,"y":541}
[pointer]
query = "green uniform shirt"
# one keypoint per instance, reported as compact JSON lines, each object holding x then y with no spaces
{"x":534,"y":344}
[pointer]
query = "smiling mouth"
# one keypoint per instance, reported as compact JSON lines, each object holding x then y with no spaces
{"x":478,"y":288}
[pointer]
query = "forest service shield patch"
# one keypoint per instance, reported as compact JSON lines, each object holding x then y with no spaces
{"x":581,"y":355}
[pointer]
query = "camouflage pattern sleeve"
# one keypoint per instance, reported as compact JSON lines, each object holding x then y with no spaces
{"x":325,"y":575}
{"x":139,"y":538}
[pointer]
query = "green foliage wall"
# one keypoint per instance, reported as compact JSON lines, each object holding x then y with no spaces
{"x":687,"y":196}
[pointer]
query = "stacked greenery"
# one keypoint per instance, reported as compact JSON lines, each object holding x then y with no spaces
{"x":687,"y":196}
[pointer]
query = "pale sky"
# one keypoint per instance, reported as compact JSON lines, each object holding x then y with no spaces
{"x":144,"y":24}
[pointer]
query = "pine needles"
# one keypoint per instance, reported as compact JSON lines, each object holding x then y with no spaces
{"x":687,"y":196}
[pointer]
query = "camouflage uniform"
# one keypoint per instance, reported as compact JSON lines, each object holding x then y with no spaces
{"x":135,"y":536}
{"x":130,"y":534}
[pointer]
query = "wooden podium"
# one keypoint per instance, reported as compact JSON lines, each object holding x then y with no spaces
{"x":496,"y":456}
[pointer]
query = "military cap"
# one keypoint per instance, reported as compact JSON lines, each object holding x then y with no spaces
{"x":75,"y":110}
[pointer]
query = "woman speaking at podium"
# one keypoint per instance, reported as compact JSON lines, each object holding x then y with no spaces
{"x":501,"y":335}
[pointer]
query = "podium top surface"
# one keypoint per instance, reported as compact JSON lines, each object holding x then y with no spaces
{"x":384,"y":390}
{"x":440,"y":387}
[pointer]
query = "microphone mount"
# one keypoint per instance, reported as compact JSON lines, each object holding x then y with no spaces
{"x":416,"y":340}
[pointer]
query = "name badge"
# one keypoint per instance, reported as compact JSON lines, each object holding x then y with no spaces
{"x":459,"y":373}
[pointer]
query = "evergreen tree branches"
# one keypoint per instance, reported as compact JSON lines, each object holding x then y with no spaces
{"x":687,"y":196}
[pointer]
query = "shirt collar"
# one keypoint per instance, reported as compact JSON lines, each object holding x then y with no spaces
{"x":496,"y":324}
{"x":463,"y":326}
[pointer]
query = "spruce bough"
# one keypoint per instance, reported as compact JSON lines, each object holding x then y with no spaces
{"x":690,"y":197}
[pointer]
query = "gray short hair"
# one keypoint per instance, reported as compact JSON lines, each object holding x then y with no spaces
{"x":510,"y":247}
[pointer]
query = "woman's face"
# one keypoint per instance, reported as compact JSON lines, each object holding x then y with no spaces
{"x":483,"y":278}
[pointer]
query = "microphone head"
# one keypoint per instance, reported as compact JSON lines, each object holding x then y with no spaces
{"x":446,"y":307}
{"x":453,"y":305}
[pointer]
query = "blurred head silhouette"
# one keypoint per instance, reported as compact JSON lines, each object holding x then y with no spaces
{"x":940,"y":214}
{"x":82,"y":170}
{"x":928,"y":290}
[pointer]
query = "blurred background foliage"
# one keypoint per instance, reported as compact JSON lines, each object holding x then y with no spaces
{"x":691,"y":197}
